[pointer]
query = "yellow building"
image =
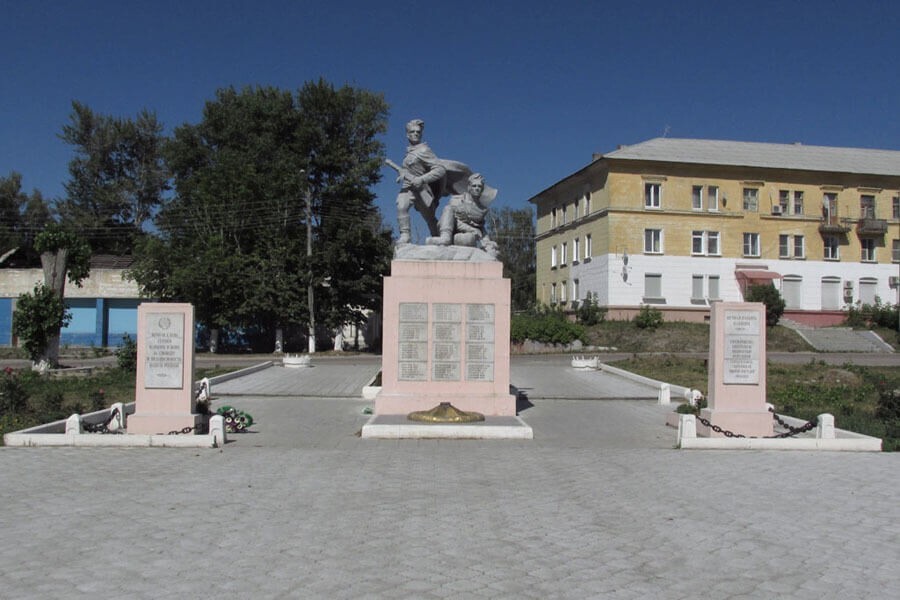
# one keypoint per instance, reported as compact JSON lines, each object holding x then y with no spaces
{"x":679,"y":223}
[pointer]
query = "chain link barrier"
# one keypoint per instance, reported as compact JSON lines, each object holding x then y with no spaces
{"x":791,"y":431}
{"x":102,"y":427}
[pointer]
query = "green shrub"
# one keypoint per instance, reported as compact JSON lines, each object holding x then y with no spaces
{"x":544,"y":324}
{"x":39,"y":316}
{"x":590,"y":313}
{"x":13,"y":396}
{"x":648,"y":317}
{"x":126,"y":355}
{"x":771,"y":297}
{"x":862,"y":316}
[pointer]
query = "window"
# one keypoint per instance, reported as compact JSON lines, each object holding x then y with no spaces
{"x":552,"y":293}
{"x":792,"y":291}
{"x":652,"y":286}
{"x":829,"y":203}
{"x":705,"y":243}
{"x":653,"y":241}
{"x":553,"y":218}
{"x":712,"y":197}
{"x":867,"y":249}
{"x":575,"y":207}
{"x":895,"y":251}
{"x":563,"y":254}
{"x":587,"y":203}
{"x":751,"y":199}
{"x":832,"y":247}
{"x":562,"y":293}
{"x":575,"y":253}
{"x":697,"y":197}
{"x":784,"y":246}
{"x":751,"y":244}
{"x":895,"y":207}
{"x":867,"y":206}
{"x":713,"y":290}
{"x":784,"y":200}
{"x":652,"y":193}
{"x":574,"y":289}
{"x":799,"y":246}
{"x":563,"y":214}
{"x":798,"y":203}
{"x":588,"y":247}
{"x":553,"y":257}
{"x":867,"y":288}
{"x":696,"y":287}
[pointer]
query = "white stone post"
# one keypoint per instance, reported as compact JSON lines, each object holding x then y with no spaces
{"x":73,"y":424}
{"x":825,"y":428}
{"x":687,"y":428}
{"x":665,"y":394}
{"x":217,"y":430}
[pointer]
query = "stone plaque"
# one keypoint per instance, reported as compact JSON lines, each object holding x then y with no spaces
{"x":413,"y":311}
{"x":445,"y":371}
{"x":412,"y":371}
{"x":742,"y":350}
{"x":413,"y":351}
{"x":445,"y":352}
{"x":446,"y":313}
{"x":479,"y":371}
{"x":164,"y":345}
{"x":480,"y":352}
{"x":480,"y":313}
{"x":480,"y":332}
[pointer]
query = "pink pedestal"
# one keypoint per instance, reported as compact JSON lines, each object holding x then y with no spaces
{"x":446,"y":338}
{"x":737,"y":371}
{"x":164,"y":386}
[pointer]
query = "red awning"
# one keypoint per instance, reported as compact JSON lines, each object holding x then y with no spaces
{"x":751,"y":275}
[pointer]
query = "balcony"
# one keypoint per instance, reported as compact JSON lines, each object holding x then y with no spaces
{"x":871,"y":227}
{"x":832,"y":224}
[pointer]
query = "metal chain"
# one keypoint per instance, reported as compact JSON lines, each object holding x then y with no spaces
{"x":101,"y":427}
{"x":791,"y":431}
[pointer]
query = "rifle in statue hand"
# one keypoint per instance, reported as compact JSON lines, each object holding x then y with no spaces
{"x":424,"y":192}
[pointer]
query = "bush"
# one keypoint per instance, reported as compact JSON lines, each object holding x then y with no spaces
{"x":863,"y":316}
{"x":590,"y":313}
{"x":544,"y":324}
{"x":648,"y":317}
{"x":13,"y":397}
{"x":126,"y":355}
{"x":39,"y":316}
{"x":771,"y":297}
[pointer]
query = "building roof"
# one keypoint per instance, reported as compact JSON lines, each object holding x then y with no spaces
{"x":755,"y":154}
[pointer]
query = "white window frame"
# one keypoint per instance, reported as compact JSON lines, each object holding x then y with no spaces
{"x":653,"y":241}
{"x":784,"y":246}
{"x":652,"y":195}
{"x":867,"y":206}
{"x":704,"y":237}
{"x":588,"y":247}
{"x":751,"y":199}
{"x":587,"y":203}
{"x":867,"y":250}
{"x":799,"y":243}
{"x":552,"y":293}
{"x":895,"y":250}
{"x":563,"y":254}
{"x":797,"y":206}
{"x":553,"y":257}
{"x":784,"y":201}
{"x":697,"y":197}
{"x":831,"y":245}
{"x":562,"y":292}
{"x":575,"y":290}
{"x":712,"y":198}
{"x":575,"y":249}
{"x":751,"y":245}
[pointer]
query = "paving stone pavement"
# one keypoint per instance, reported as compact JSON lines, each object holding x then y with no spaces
{"x":598,"y":505}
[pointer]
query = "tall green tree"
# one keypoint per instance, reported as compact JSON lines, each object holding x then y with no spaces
{"x":22,"y":217}
{"x":117,"y":176}
{"x":513,"y":230}
{"x":233,"y":239}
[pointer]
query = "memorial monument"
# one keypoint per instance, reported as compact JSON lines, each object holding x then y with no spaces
{"x":164,"y":386}
{"x":737,"y":371}
{"x":446,"y":303}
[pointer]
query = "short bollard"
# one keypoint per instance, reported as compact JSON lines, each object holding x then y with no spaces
{"x":665,"y":394}
{"x":73,"y":424}
{"x":217,"y":430}
{"x":687,"y":427}
{"x":825,"y":428}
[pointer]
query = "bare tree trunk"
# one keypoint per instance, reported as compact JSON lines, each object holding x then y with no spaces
{"x":54,"y":265}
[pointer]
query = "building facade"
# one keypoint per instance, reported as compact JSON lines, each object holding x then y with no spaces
{"x":679,"y":223}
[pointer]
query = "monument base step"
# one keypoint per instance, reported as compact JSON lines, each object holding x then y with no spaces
{"x":393,"y":427}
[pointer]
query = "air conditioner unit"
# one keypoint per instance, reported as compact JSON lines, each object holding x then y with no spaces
{"x":894,"y":281}
{"x":776,"y":210}
{"x":848,"y":285}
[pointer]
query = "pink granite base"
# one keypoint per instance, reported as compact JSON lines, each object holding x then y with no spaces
{"x":161,"y":424}
{"x":449,"y":282}
{"x":747,"y":423}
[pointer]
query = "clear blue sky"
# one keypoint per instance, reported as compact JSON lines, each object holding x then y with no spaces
{"x":523,"y":92}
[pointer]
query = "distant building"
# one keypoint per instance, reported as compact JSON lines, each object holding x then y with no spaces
{"x":104,"y":308}
{"x":679,"y":223}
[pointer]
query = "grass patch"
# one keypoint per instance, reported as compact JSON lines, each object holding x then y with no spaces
{"x":862,"y":399}
{"x":678,"y":336}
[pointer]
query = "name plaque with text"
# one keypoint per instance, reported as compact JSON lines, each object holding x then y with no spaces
{"x":413,"y":341}
{"x":742,"y":347}
{"x":480,"y":313}
{"x":445,"y":371}
{"x":164,"y":345}
{"x":479,"y":342}
{"x":446,"y":313}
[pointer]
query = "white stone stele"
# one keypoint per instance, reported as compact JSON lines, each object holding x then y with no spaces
{"x":393,"y":427}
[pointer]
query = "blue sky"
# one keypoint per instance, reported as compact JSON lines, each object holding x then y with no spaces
{"x":523,"y":92}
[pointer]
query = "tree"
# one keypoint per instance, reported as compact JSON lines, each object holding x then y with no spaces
{"x":37,"y":321}
{"x":771,"y":297}
{"x":22,"y":216}
{"x":513,"y":230}
{"x":233,"y":239}
{"x":117,"y":176}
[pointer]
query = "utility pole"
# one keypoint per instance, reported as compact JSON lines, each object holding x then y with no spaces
{"x":310,"y":300}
